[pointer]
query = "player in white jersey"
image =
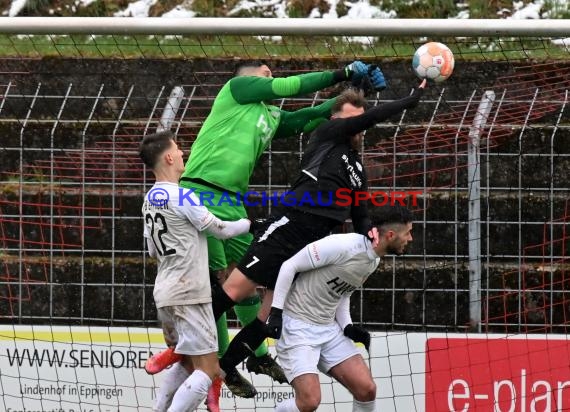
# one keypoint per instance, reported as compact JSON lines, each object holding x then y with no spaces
{"x":312,"y":314}
{"x":175,"y":226}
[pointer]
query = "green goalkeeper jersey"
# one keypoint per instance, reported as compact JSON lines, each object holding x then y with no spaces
{"x":241,"y":125}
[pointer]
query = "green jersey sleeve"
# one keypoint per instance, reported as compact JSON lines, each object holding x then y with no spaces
{"x":304,"y":120}
{"x":251,"y":89}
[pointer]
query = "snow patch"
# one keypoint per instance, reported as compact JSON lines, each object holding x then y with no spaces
{"x":138,"y":8}
{"x":16,"y":7}
{"x":179,"y":12}
{"x":530,"y":11}
{"x":84,"y":3}
{"x":561,"y":42}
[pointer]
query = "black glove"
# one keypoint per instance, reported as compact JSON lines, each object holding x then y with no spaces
{"x":256,"y":224}
{"x":274,"y":323}
{"x":358,"y":334}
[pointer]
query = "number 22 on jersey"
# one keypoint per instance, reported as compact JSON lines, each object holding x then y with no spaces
{"x":158,"y":228}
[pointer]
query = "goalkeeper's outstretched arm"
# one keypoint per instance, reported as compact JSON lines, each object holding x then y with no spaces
{"x":247,"y":89}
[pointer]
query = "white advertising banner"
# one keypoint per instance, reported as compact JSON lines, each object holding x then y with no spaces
{"x":90,"y":369}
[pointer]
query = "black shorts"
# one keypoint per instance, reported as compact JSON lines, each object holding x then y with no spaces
{"x":277,"y":240}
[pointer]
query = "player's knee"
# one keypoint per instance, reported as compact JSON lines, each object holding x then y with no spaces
{"x":308,"y":402}
{"x":238,"y":287}
{"x":366,"y":392}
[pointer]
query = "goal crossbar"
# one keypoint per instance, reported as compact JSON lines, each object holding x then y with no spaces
{"x":284,"y":27}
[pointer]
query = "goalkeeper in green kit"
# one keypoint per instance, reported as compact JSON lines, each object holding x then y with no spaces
{"x":233,"y":137}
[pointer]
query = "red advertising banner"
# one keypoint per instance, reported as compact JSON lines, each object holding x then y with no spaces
{"x":497,"y":375}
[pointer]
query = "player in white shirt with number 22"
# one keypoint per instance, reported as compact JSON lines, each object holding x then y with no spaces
{"x":310,"y":313}
{"x":175,"y":235}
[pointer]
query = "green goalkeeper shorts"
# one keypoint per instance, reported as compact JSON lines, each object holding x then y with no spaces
{"x":223,"y":252}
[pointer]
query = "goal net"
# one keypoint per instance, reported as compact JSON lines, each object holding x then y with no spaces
{"x":473,"y":317}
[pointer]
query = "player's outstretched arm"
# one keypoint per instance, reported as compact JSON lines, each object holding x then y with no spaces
{"x":223,"y":229}
{"x":308,"y":119}
{"x":298,"y":263}
{"x":351,"y":126}
{"x":203,"y":219}
{"x":252,"y":89}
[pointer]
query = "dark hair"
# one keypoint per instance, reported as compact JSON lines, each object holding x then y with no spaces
{"x":153,"y":145}
{"x":249,"y":64}
{"x":389,"y":215}
{"x":351,"y":96}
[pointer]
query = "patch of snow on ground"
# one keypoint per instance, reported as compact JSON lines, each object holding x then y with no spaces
{"x":363,"y":10}
{"x":16,"y":7}
{"x":84,"y":3}
{"x":271,"y":8}
{"x":562,"y":42}
{"x":530,"y":11}
{"x":179,"y":12}
{"x":136,"y":9}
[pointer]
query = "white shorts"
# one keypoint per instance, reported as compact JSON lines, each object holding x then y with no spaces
{"x":307,"y":348}
{"x":191,"y":328}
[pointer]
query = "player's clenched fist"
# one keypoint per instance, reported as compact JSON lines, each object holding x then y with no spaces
{"x":274,"y":323}
{"x":358,"y":334}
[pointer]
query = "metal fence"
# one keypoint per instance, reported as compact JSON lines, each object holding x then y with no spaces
{"x":72,"y":185}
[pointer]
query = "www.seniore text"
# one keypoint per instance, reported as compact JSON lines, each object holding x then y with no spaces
{"x":78,"y":358}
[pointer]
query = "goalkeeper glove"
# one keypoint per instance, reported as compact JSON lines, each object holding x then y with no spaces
{"x":362,"y":83}
{"x":356,"y":70}
{"x":376,"y":77}
{"x":357,"y":334}
{"x":274,"y":323}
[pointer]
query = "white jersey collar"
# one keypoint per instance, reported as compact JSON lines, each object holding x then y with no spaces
{"x":164,"y":182}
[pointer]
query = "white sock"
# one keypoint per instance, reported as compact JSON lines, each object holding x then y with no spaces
{"x":173,"y":378}
{"x":191,"y":393}
{"x":358,"y":406}
{"x":288,"y":405}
